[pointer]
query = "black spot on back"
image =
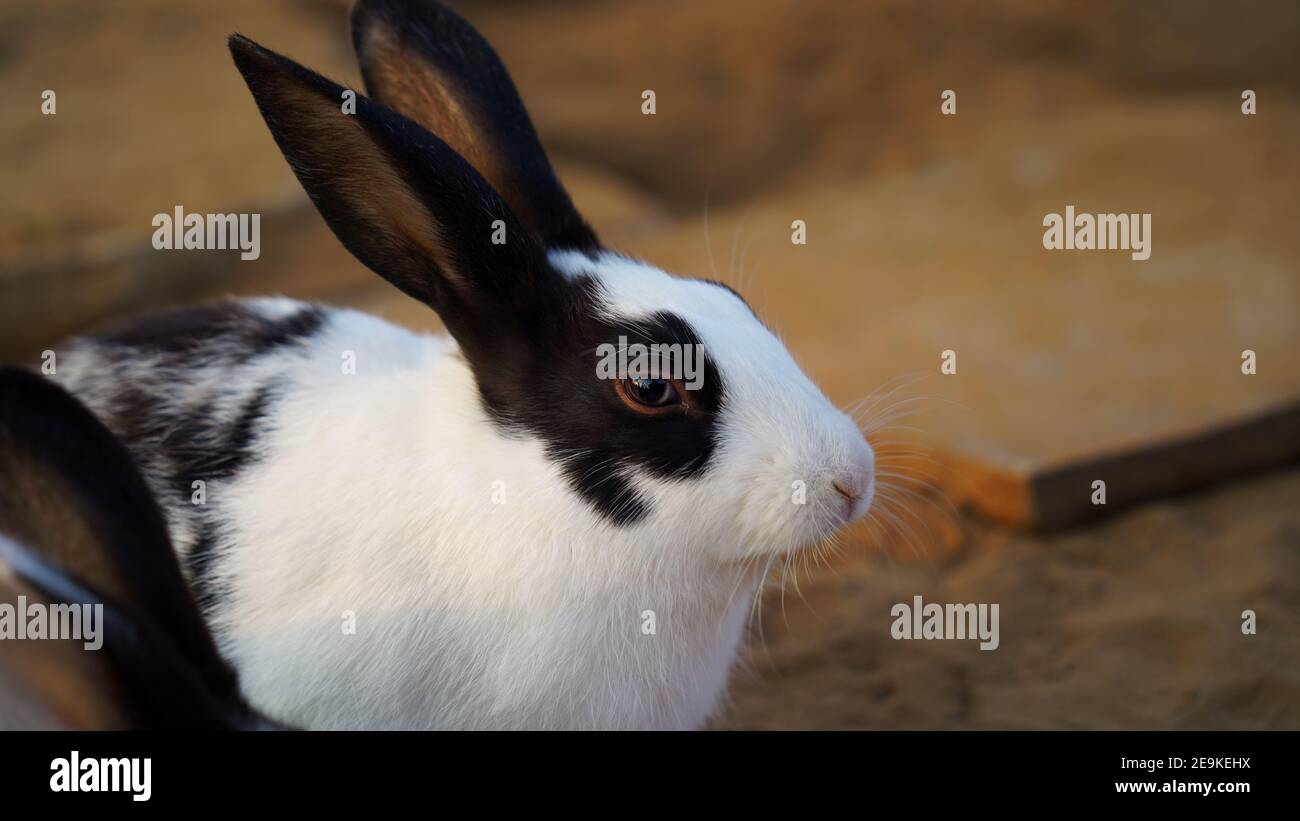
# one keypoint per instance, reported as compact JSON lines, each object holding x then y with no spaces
{"x":200,"y":564}
{"x":222,"y":330}
{"x":209,"y":445}
{"x":180,"y":423}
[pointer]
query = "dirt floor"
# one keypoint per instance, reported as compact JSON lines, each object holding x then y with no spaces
{"x":924,"y":236}
{"x":1136,"y":623}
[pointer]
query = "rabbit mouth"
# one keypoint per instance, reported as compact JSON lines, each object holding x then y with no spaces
{"x":842,"y":510}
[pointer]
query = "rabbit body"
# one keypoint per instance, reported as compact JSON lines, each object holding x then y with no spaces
{"x":382,"y":557}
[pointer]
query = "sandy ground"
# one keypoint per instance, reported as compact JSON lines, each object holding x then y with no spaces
{"x":924,"y":235}
{"x":1133,"y":624}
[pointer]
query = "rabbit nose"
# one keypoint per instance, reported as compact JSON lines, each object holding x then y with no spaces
{"x":856,"y":486}
{"x":847,"y":489}
{"x":848,"y":495}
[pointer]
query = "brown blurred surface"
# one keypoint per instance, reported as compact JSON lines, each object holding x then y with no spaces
{"x":754,"y":96}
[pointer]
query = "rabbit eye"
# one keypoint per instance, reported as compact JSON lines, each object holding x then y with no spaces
{"x":649,"y":395}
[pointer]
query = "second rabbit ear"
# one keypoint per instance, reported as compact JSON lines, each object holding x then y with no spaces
{"x":402,"y":201}
{"x":423,"y":60}
{"x":80,"y":530}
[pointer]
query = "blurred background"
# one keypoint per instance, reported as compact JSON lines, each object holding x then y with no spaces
{"x":924,"y":235}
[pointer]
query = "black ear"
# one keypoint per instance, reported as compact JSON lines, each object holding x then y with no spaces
{"x":135,"y":678}
{"x":424,"y":60}
{"x":401,"y":200}
{"x":78,"y":525}
{"x":50,"y":685}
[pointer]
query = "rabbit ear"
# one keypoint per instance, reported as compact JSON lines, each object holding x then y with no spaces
{"x":50,"y":685}
{"x":121,"y":671}
{"x":401,"y":200}
{"x":78,"y":526}
{"x":423,"y":60}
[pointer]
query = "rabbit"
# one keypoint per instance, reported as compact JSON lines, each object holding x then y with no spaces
{"x":388,"y":529}
{"x":78,"y":526}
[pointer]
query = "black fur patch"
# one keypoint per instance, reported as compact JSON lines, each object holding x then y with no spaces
{"x":179,"y":434}
{"x":200,"y":564}
{"x":547,"y":384}
{"x":218,"y":332}
{"x":204,"y":445}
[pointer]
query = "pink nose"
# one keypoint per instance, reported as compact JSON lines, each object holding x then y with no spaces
{"x":850,"y":496}
{"x":856,"y":489}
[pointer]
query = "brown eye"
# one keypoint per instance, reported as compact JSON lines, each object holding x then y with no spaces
{"x":648,"y":395}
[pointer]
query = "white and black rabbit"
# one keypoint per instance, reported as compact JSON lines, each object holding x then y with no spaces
{"x":518,"y":542}
{"x":78,"y":526}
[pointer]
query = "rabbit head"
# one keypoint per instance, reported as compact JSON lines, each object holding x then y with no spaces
{"x":438,"y":182}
